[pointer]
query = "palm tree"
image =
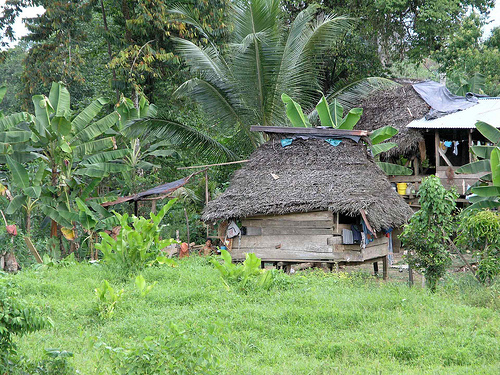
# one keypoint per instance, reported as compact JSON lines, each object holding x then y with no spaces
{"x":240,"y":84}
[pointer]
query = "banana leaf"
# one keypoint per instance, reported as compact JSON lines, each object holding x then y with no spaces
{"x":101,"y":169}
{"x":490,"y":132}
{"x":43,"y":109}
{"x":475,"y":167}
{"x":337,"y":111}
{"x":19,"y":173}
{"x":487,"y":191}
{"x":90,"y":188}
{"x":39,"y":175}
{"x":60,"y":100}
{"x":294,"y":112}
{"x":351,"y":119}
{"x":394,"y":169}
{"x":87,"y":115}
{"x":106,"y":156}
{"x":382,"y":134}
{"x":8,"y":122}
{"x":56,"y":215}
{"x":97,"y":128}
{"x":383,"y":147}
{"x":15,"y":204}
{"x":93,"y":147}
{"x":495,"y":166}
{"x":484,"y":204}
{"x":15,"y":136}
{"x":483,"y":152}
{"x":324,"y":114}
{"x":33,"y":192}
{"x":61,"y":125}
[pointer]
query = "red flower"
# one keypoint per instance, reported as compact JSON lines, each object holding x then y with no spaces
{"x":11,"y":229}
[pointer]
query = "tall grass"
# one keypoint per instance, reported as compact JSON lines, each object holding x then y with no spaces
{"x":308,"y":323}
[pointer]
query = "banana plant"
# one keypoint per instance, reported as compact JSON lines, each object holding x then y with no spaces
{"x":332,"y":116}
{"x":93,"y":218}
{"x":487,"y":189}
{"x":29,"y":188}
{"x":72,"y":148}
{"x":377,"y":147}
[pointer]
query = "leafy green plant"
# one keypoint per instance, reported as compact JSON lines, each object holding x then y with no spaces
{"x":426,"y":235}
{"x":243,"y":274}
{"x":487,"y":189}
{"x":107,"y":298}
{"x":479,"y":232}
{"x":136,"y":244}
{"x":175,"y":352}
{"x":16,"y":319}
{"x":142,"y":286}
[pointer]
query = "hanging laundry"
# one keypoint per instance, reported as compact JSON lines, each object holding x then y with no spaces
{"x":447,"y":144}
{"x":455,"y":147}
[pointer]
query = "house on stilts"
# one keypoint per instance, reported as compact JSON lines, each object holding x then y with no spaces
{"x":436,"y":131}
{"x":311,"y":195}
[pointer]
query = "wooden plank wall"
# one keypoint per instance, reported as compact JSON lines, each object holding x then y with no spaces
{"x":311,"y":236}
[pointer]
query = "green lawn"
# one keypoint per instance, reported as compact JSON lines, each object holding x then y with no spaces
{"x":309,"y":323}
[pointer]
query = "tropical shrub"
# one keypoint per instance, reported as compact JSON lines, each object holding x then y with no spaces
{"x":243,"y":274}
{"x":426,"y":235}
{"x":479,"y":232}
{"x":107,"y":298}
{"x":16,"y":318}
{"x":136,"y":244}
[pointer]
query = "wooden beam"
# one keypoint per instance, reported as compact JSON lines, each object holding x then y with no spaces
{"x":436,"y":147}
{"x":470,"y":145}
{"x":444,"y":157}
{"x":309,"y":131}
{"x":214,"y":165}
{"x":32,"y":249}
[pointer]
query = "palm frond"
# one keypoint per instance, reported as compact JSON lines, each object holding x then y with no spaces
{"x":181,"y":135}
{"x":203,"y":61}
{"x":184,"y":14}
{"x":353,"y":94}
{"x":217,"y":102}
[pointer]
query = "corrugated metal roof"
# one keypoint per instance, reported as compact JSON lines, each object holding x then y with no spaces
{"x":487,"y":110}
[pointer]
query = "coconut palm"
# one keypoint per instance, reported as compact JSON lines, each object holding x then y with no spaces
{"x":240,"y":83}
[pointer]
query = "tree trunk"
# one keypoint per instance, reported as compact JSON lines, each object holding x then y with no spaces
{"x":110,"y":54}
{"x":187,"y":227}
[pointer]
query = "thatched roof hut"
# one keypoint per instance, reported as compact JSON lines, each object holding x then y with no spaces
{"x":396,"y":107}
{"x":310,"y":175}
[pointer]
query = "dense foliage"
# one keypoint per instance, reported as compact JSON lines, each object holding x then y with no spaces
{"x":425,"y":237}
{"x":17,"y":318}
{"x":479,"y":233}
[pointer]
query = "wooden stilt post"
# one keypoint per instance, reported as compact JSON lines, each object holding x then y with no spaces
{"x":375,"y":268}
{"x":136,"y":208}
{"x":385,"y":267}
{"x":410,"y":276}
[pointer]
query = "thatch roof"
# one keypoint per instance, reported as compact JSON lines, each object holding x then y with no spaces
{"x":310,"y":175}
{"x":395,"y":107}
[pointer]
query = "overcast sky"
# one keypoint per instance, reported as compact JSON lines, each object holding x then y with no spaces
{"x":20,"y":29}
